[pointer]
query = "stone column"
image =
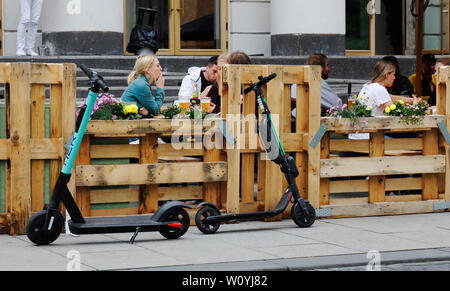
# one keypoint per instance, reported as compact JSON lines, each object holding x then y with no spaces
{"x":303,"y":27}
{"x":249,"y":26}
{"x":83,"y":27}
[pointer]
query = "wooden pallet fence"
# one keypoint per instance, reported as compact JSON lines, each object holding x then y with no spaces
{"x":119,"y":178}
{"x":254,"y":183}
{"x":407,"y":173}
{"x":29,"y":153}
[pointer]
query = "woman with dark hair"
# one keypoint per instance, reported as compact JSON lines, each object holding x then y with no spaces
{"x":239,"y":58}
{"x":402,"y":85}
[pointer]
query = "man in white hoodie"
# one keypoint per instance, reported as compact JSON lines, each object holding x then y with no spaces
{"x":204,"y":78}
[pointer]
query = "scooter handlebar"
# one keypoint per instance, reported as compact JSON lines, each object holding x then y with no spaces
{"x":94,"y":77}
{"x":262,"y":81}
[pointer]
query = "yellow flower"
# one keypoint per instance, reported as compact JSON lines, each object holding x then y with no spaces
{"x":130,"y":109}
{"x":393,"y":107}
{"x":369,"y":107}
{"x":401,"y":102}
{"x":134,"y":109}
{"x":387,"y":110}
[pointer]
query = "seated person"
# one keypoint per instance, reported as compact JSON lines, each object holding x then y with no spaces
{"x":402,"y":85}
{"x":328,"y":98}
{"x":439,"y":63}
{"x":237,"y":58}
{"x":146,"y":71}
{"x":428,"y":81}
{"x":213,"y":91}
{"x":199,"y":79}
{"x":375,"y":93}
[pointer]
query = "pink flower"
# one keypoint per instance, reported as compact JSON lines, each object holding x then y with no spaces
{"x":114,"y":117}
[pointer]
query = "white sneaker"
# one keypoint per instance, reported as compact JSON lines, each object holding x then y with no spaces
{"x":32,"y":53}
{"x":20,"y":53}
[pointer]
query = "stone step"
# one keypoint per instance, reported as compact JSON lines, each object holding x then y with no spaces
{"x":122,"y":81}
{"x":83,"y":91}
{"x":168,"y":101}
{"x":118,"y":72}
{"x":342,"y":67}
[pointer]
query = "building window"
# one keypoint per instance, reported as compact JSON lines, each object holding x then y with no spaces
{"x":357,"y":25}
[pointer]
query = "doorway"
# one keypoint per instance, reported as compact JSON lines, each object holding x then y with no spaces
{"x":378,"y":33}
{"x":184,"y":27}
{"x":389,"y":27}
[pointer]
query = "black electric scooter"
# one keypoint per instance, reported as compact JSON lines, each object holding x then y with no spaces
{"x":208,"y":218}
{"x":45,"y":226}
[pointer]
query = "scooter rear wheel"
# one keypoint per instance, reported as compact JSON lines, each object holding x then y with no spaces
{"x":302,"y":219}
{"x":179,"y":215}
{"x":200,"y":220}
{"x":37,"y":235}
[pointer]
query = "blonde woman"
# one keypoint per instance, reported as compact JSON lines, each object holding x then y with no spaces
{"x":146,"y":71}
{"x":375,"y":93}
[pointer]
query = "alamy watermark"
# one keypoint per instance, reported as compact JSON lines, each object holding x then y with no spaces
{"x":375,"y":261}
{"x":374,"y":7}
{"x":238,"y":132}
{"x":73,"y":7}
{"x":74,"y":263}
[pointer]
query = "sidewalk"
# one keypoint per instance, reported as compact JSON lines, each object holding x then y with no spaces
{"x":245,"y":246}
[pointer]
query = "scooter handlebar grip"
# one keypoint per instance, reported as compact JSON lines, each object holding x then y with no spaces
{"x":103,"y":85}
{"x":86,"y":70}
{"x":268,"y":78}
{"x":248,"y":90}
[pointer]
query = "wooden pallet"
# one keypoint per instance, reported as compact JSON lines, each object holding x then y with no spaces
{"x":25,"y":145}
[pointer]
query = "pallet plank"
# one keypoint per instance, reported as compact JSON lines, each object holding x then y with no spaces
{"x":376,"y":183}
{"x":20,"y":146}
{"x":233,"y":154}
{"x":137,"y":174}
{"x":37,"y":132}
{"x":148,"y":197}
{"x":349,"y":167}
{"x":381,"y":208}
{"x":146,"y":126}
{"x":382,"y":123}
{"x":313,"y":77}
{"x":430,"y":181}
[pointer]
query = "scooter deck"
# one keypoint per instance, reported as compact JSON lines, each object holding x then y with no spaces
{"x":240,"y":216}
{"x":120,"y":224}
{"x":281,"y":206}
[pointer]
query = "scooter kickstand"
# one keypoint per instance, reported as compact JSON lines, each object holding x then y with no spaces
{"x":135,"y":235}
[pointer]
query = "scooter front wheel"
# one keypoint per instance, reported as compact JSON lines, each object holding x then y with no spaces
{"x":180,"y":215}
{"x":200,"y":220}
{"x":302,"y":219}
{"x":35,"y":232}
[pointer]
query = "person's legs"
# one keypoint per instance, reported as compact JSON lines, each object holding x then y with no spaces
{"x":36,"y":7}
{"x":25,"y":10}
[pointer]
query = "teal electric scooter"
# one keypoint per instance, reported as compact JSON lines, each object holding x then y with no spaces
{"x":45,"y":226}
